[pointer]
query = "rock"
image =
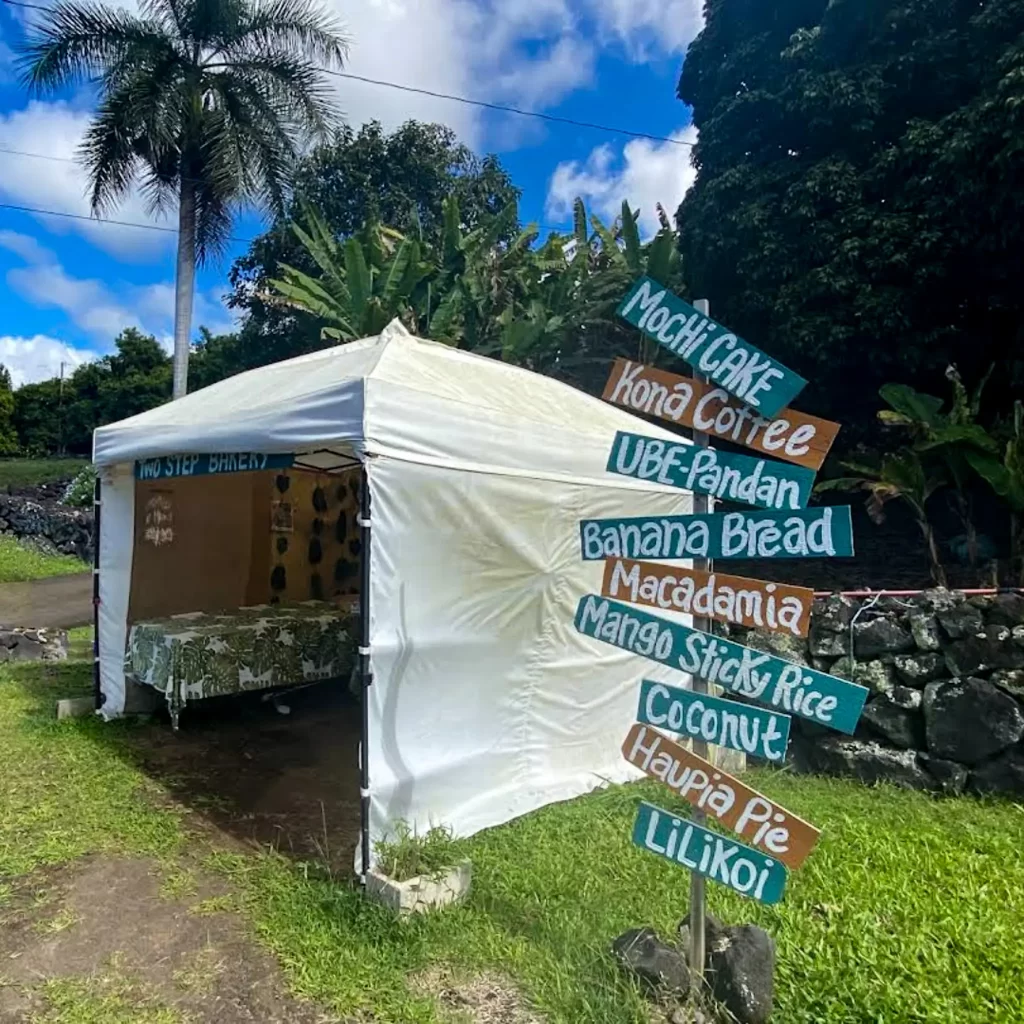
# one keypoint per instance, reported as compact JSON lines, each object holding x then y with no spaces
{"x":868,"y":761}
{"x":969,"y":720}
{"x":880,"y":636}
{"x":833,"y":614}
{"x":924,"y":629}
{"x":899,"y":726}
{"x":782,"y":645}
{"x":1006,"y":610}
{"x":655,"y":963}
{"x":995,"y":648}
{"x":741,"y":969}
{"x":938,"y":599}
{"x":919,"y":668}
{"x":1003,"y":774}
{"x":878,"y":676}
{"x":950,"y":776}
{"x":1011,"y":680}
{"x":963,"y":620}
{"x":825,"y":643}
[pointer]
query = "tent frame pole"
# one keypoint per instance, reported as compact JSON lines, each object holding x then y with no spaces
{"x":365,"y":673}
{"x":97,"y":691}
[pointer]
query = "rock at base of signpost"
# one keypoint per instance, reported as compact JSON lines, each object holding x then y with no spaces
{"x":655,"y":964}
{"x":739,"y":969}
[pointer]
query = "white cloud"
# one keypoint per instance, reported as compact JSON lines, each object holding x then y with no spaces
{"x":646,"y":173}
{"x":95,"y":307}
{"x":55,"y":130}
{"x":649,"y":28}
{"x":40,"y":357}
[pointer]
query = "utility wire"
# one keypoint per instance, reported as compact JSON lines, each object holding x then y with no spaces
{"x":466,"y":100}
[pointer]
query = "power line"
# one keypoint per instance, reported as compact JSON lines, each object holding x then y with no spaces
{"x":466,"y":100}
{"x":99,"y":220}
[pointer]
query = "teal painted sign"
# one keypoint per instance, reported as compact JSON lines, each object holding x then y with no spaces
{"x":794,"y":689}
{"x":762,"y":482}
{"x":728,"y":723}
{"x":204,"y":465}
{"x":808,"y":533}
{"x":711,"y":349}
{"x":742,"y":868}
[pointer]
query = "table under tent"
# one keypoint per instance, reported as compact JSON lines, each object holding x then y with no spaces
{"x":390,"y":513}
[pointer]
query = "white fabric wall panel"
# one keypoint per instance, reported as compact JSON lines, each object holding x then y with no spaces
{"x":486,"y":702}
{"x":117,"y":532}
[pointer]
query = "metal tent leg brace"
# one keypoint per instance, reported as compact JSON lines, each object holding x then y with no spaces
{"x":97,"y":692}
{"x":365,"y":674}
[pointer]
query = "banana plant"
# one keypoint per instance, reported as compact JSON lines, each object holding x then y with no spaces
{"x":1004,"y":473}
{"x":365,"y":282}
{"x":904,"y":476}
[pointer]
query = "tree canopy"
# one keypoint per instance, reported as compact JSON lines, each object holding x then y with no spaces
{"x":857,"y":210}
{"x":400,"y":179}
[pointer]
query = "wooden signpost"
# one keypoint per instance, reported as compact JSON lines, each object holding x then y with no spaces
{"x":733,"y":599}
{"x":740,"y":395}
{"x":783,"y":685}
{"x":725,"y":723}
{"x":743,"y":370}
{"x":688,"y":402}
{"x":754,"y":817}
{"x":760,"y":482}
{"x":809,"y":533}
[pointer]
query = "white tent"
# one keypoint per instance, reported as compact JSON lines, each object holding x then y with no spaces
{"x":485,"y":702}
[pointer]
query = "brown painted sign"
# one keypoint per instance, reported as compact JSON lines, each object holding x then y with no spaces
{"x":789,"y":435}
{"x":754,"y":817}
{"x":735,"y":599}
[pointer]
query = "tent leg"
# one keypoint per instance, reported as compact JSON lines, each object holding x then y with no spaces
{"x":365,"y":674}
{"x":97,"y":692}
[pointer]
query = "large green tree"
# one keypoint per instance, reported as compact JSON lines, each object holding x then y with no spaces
{"x":207,"y":103}
{"x":52,"y":415}
{"x":400,"y":179}
{"x":858,"y":209}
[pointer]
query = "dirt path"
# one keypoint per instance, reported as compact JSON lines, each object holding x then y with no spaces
{"x":56,"y":602}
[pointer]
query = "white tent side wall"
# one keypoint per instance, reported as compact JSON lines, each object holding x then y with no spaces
{"x":117,"y":533}
{"x":486,"y":703}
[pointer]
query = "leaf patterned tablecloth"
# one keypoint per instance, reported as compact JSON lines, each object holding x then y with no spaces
{"x":202,"y":654}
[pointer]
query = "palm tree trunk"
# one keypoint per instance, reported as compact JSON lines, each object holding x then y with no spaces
{"x":184,"y":286}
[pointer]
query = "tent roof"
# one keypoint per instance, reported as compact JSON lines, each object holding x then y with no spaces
{"x":394,"y":395}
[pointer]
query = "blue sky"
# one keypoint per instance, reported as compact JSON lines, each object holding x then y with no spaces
{"x":67,"y":287}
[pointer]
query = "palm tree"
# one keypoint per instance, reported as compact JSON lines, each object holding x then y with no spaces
{"x":208,"y":101}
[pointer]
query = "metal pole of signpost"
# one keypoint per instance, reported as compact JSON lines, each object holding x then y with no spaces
{"x":701,"y":503}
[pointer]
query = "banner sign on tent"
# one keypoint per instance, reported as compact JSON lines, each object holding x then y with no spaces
{"x":727,"y":723}
{"x":742,"y":868}
{"x":710,"y":348}
{"x":205,"y":465}
{"x":809,"y":533}
{"x":794,"y":689}
{"x":687,"y":402}
{"x":750,"y":815}
{"x":735,"y":599}
{"x":761,"y":482}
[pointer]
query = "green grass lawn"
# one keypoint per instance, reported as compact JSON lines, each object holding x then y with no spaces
{"x":911,"y":909}
{"x":32,"y":472}
{"x":20,"y":562}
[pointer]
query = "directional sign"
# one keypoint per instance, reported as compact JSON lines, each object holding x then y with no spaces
{"x":752,"y":816}
{"x":762,"y":482}
{"x":790,"y":435}
{"x":203,"y":465}
{"x":715,"y":595}
{"x":728,"y":723}
{"x":795,"y":689}
{"x":809,"y":533}
{"x":710,"y":348}
{"x":740,"y":867}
